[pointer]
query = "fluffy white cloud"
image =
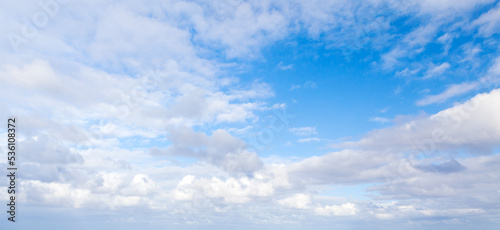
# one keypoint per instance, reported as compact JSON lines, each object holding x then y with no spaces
{"x":244,"y":27}
{"x":347,"y":209}
{"x":303,"y":131}
{"x":232,"y":190}
{"x":454,"y":128}
{"x":346,"y":166}
{"x":435,"y":17}
{"x":298,"y":201}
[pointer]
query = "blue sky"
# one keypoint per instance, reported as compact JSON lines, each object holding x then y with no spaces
{"x":253,"y":114}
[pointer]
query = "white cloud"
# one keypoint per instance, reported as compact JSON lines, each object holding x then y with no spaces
{"x":310,"y":85}
{"x":65,"y":195}
{"x":447,"y":6}
{"x":470,"y":54}
{"x":447,"y":40}
{"x":56,"y":194}
{"x":488,"y":23}
{"x":345,"y":166}
{"x":436,"y":182}
{"x":494,"y":70}
{"x":123,"y":38}
{"x":281,"y":66}
{"x":451,"y":91}
{"x":489,"y":81}
{"x":347,"y":209}
{"x":47,"y":150}
{"x":293,"y":87}
{"x":298,"y":201}
{"x":220,"y":149}
{"x":384,"y":216}
{"x":434,"y":16}
{"x":184,"y":190}
{"x":141,"y":185}
{"x":421,"y":36}
{"x":407,"y":72}
{"x":303,"y":131}
{"x":232,"y":190}
{"x":391,"y":59}
{"x":438,"y":70}
{"x":143,"y":73}
{"x":243,"y":28}
{"x":380,"y":119}
{"x":306,"y":85}
{"x":384,"y":110}
{"x":306,"y":140}
{"x":456,"y":127}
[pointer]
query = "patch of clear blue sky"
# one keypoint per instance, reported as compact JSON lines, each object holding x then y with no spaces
{"x":336,"y":96}
{"x":350,"y":91}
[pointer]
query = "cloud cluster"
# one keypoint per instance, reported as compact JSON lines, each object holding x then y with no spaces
{"x":220,"y":149}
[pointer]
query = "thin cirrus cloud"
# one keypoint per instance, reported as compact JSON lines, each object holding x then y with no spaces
{"x":303,"y":131}
{"x":488,"y":22}
{"x":490,"y":80}
{"x":451,"y":91}
{"x":453,"y":128}
{"x":437,"y":70}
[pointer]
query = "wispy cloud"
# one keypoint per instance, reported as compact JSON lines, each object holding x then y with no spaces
{"x":489,"y":22}
{"x":436,"y":70}
{"x":306,"y":85}
{"x":281,"y":66}
{"x":451,"y":91}
{"x":303,"y":131}
{"x":307,"y":140}
{"x":380,"y":119}
{"x":157,"y":107}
